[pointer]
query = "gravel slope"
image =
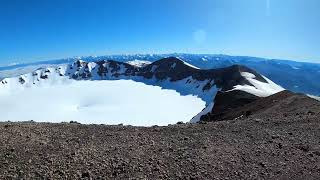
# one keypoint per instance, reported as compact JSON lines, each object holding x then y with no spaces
{"x":278,"y":139}
{"x":251,"y":148}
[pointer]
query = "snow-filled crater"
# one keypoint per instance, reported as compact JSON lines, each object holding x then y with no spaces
{"x":98,"y":102}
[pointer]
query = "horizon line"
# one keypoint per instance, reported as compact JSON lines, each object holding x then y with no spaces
{"x":144,"y":54}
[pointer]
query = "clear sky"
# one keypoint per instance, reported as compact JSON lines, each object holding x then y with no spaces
{"x":32,"y":30}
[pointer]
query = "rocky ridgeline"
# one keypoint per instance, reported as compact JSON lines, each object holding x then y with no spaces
{"x":172,"y":69}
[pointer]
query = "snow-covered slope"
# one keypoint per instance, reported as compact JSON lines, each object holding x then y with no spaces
{"x":138,"y":63}
{"x":168,"y":73}
{"x":258,"y":88}
{"x":17,"y":71}
{"x":314,"y":97}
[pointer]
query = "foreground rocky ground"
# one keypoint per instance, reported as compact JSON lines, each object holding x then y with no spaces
{"x":286,"y":147}
{"x":277,"y":137}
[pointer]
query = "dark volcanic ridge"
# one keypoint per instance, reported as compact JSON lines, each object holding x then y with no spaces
{"x":170,"y":68}
{"x":237,"y":104}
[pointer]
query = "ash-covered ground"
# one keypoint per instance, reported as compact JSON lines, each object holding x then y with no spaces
{"x":250,"y":148}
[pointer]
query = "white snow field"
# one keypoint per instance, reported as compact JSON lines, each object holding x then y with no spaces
{"x":98,"y":102}
{"x":314,"y":97}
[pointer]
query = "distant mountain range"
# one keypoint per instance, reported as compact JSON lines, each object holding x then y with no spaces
{"x":295,"y":76}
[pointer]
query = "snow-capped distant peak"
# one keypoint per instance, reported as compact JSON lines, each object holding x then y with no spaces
{"x":204,"y":59}
{"x":139,"y":63}
{"x":294,"y":67}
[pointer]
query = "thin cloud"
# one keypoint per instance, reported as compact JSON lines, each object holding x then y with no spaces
{"x":200,"y":36}
{"x":268,"y":7}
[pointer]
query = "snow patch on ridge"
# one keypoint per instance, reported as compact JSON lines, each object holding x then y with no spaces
{"x":138,"y":63}
{"x":190,"y":65}
{"x":259,"y":88}
{"x":314,"y":97}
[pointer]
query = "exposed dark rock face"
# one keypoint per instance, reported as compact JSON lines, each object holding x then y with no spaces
{"x":226,"y":102}
{"x":44,"y":76}
{"x":175,"y":69}
{"x":21,"y":80}
{"x":239,"y":104}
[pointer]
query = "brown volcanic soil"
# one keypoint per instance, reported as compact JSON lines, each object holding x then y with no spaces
{"x":234,"y":104}
{"x":270,"y":144}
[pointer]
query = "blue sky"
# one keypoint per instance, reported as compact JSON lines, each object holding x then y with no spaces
{"x":33,"y":30}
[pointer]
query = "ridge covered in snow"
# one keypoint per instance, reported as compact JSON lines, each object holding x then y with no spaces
{"x":314,"y":97}
{"x":258,"y":88}
{"x":138,"y":63}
